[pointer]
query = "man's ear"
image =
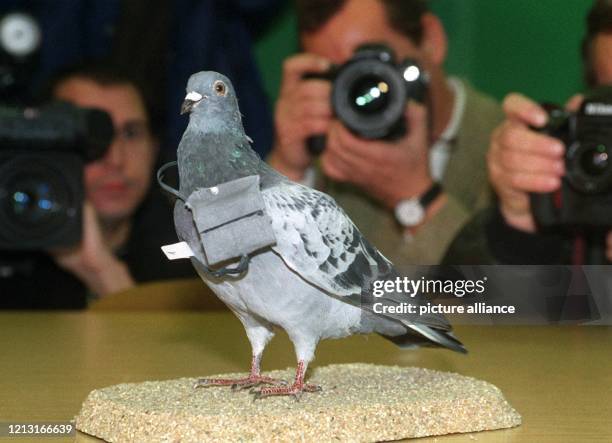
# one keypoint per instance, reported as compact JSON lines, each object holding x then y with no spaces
{"x":434,"y":43}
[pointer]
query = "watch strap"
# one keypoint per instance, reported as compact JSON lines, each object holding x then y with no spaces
{"x":430,"y":195}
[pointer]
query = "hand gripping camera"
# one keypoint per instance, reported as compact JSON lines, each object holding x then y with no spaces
{"x":370,"y":92}
{"x":585,"y":196}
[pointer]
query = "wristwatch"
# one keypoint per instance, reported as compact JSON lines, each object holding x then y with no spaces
{"x":411,"y":212}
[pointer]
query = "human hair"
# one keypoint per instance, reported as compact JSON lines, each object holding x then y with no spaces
{"x":404,"y":15}
{"x":598,"y":21}
{"x":105,"y":73}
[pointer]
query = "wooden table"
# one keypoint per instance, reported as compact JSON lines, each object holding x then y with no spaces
{"x":558,"y":378}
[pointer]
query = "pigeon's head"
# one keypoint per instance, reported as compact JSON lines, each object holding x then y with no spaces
{"x":210,"y":97}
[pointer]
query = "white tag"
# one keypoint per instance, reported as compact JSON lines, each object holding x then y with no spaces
{"x":177,"y":251}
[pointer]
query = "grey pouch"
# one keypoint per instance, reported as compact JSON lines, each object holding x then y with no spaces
{"x":231,"y":219}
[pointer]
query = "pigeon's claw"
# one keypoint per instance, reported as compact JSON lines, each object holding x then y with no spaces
{"x":256,"y":381}
{"x":296,"y":390}
{"x":237,"y":384}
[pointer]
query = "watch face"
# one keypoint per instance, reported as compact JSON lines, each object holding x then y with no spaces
{"x":409,"y":212}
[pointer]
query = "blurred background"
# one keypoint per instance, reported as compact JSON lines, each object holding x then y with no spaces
{"x":499,"y":46}
{"x":144,"y":51}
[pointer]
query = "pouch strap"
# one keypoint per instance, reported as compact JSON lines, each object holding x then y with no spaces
{"x":240,"y":268}
{"x":166,"y":187}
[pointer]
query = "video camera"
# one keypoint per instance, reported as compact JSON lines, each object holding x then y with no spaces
{"x":370,"y":92}
{"x":585,"y":196}
{"x":42,"y":154}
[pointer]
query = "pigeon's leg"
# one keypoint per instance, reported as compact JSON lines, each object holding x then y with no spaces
{"x":259,"y":336}
{"x":255,"y":378}
{"x":305,"y":353}
{"x":296,"y":389}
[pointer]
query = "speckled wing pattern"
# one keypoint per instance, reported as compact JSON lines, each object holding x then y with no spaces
{"x":319,"y":241}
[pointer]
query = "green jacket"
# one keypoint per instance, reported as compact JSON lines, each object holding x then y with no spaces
{"x":465,"y":183}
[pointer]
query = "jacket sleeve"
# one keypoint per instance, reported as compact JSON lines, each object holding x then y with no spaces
{"x":487,"y":239}
{"x":433,"y":238}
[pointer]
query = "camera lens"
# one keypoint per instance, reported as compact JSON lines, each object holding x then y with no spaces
{"x":38,"y":201}
{"x":32,"y":201}
{"x":595,"y":160}
{"x":589,"y":169}
{"x":34,"y":205}
{"x":369,"y":95}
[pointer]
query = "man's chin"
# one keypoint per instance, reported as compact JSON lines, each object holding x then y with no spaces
{"x":114,"y":208}
{"x":112,"y":214}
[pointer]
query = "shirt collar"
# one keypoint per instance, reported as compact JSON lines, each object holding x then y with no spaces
{"x":452,"y":128}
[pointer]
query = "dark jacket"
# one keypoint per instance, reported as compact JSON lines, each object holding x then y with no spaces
{"x":488,"y":239}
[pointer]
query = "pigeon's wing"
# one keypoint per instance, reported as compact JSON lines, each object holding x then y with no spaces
{"x":317,"y":240}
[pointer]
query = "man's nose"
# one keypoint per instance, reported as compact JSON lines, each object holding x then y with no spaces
{"x":115,"y":154}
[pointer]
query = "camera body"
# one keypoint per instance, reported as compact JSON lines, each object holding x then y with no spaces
{"x":42,"y":155}
{"x":585,"y":196}
{"x":370,"y":92}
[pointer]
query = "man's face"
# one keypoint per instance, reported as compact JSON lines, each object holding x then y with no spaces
{"x":358,"y":22}
{"x":117,"y":183}
{"x":602,"y":58}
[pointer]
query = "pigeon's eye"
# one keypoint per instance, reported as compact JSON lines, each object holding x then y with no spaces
{"x":220,"y":88}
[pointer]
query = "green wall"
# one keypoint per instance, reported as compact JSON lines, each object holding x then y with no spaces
{"x":279,"y":42}
{"x":531,"y":46}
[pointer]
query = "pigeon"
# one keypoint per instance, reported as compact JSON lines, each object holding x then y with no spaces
{"x":316,"y":281}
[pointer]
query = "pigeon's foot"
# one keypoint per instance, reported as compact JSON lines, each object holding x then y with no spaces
{"x":296,"y":390}
{"x":238,"y":383}
{"x":254,"y":379}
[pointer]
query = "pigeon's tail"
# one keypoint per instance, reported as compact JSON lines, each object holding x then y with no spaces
{"x":427,"y":336}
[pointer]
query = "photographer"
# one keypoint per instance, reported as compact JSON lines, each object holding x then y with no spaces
{"x":371,"y":179}
{"x":125,"y":220}
{"x":523,"y":160}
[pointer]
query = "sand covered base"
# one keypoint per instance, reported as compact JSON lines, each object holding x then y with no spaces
{"x":359,"y":402}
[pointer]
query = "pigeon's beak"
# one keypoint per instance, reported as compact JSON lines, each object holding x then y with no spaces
{"x":191,"y":101}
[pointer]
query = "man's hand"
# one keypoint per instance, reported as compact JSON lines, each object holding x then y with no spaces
{"x":389,"y":172}
{"x":521,"y":160}
{"x":92,"y":261}
{"x":303,"y":109}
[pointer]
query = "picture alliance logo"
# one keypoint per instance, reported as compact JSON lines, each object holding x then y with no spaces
{"x":424,"y":286}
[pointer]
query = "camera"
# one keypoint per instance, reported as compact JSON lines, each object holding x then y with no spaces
{"x":370,"y":92}
{"x":42,"y":154}
{"x":585,"y":196}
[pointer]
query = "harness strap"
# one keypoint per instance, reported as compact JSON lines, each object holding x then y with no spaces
{"x":240,"y":268}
